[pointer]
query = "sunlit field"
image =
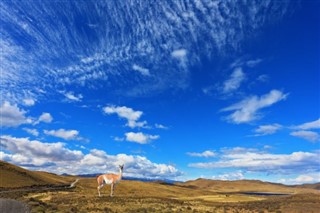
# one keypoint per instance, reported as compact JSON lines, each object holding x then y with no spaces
{"x":135,"y":196}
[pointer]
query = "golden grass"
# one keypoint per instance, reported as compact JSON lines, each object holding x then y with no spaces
{"x":135,"y":196}
{"x":12,"y":176}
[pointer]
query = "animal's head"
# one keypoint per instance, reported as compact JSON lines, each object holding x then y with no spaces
{"x":121,"y":167}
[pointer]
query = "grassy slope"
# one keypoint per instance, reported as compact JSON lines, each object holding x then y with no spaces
{"x":134,"y":196}
{"x":12,"y":176}
{"x":243,"y":186}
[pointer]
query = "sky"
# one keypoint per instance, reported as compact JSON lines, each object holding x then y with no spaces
{"x":179,"y":90}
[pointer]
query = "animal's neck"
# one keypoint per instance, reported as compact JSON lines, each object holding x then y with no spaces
{"x":120,"y":173}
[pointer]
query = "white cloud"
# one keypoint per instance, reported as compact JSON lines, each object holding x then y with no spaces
{"x":236,"y":175}
{"x":73,"y":97}
{"x":307,"y":135}
{"x":118,"y":139}
{"x":55,"y":157}
{"x":250,"y":63}
{"x":45,"y":117}
{"x":309,"y":125}
{"x":302,"y":179}
{"x":234,"y":81}
{"x":141,"y":70}
{"x":129,"y":114}
{"x":65,"y":134}
{"x":205,"y":154}
{"x":140,"y":137}
{"x":25,"y":151}
{"x":12,"y":115}
{"x":259,"y":161}
{"x":247,"y":110}
{"x":29,"y":102}
{"x":33,"y":132}
{"x":160,"y":126}
{"x":179,"y":54}
{"x":253,"y":63}
{"x":267,"y":129}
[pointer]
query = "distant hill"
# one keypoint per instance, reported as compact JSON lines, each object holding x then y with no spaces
{"x":12,"y":176}
{"x":243,"y":186}
{"x":309,"y":186}
{"x":167,"y":181}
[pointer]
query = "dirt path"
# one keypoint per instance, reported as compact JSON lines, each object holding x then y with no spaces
{"x":42,"y":188}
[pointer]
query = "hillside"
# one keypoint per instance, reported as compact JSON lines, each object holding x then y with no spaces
{"x":243,"y":186}
{"x":12,"y":176}
{"x":310,"y":186}
{"x":199,"y":195}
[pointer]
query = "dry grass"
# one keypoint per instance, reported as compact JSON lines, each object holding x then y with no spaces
{"x":12,"y":176}
{"x":196,"y":196}
{"x":135,"y":196}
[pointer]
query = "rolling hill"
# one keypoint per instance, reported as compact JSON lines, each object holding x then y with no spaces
{"x":12,"y":176}
{"x":200,"y":195}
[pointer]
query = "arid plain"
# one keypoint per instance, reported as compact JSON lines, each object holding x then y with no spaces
{"x":46,"y":192}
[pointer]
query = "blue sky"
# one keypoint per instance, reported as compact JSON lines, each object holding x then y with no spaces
{"x":179,"y":89}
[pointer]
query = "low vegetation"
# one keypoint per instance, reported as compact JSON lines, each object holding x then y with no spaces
{"x":194,"y":196}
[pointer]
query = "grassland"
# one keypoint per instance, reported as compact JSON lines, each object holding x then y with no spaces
{"x":12,"y":176}
{"x":193,"y":196}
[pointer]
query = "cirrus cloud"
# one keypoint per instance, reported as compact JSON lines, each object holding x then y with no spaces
{"x":247,"y":110}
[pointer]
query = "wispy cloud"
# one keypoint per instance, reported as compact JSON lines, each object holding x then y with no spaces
{"x":33,"y":132}
{"x":247,"y":110}
{"x":139,"y":137}
{"x":70,"y":96}
{"x":65,"y":134}
{"x":236,"y":175}
{"x":253,"y":63}
{"x":102,"y":52}
{"x":267,"y":129}
{"x":307,"y":135}
{"x":141,"y":70}
{"x":260,"y":161}
{"x":234,"y":81}
{"x":304,"y":131}
{"x":205,"y":154}
{"x":161,"y":126}
{"x":309,"y":125}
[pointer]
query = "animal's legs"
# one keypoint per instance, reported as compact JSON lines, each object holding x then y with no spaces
{"x":99,"y":187}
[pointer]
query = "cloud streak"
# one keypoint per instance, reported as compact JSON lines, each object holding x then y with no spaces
{"x":253,"y":160}
{"x":205,"y":154}
{"x":248,"y":109}
{"x":65,"y":134}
